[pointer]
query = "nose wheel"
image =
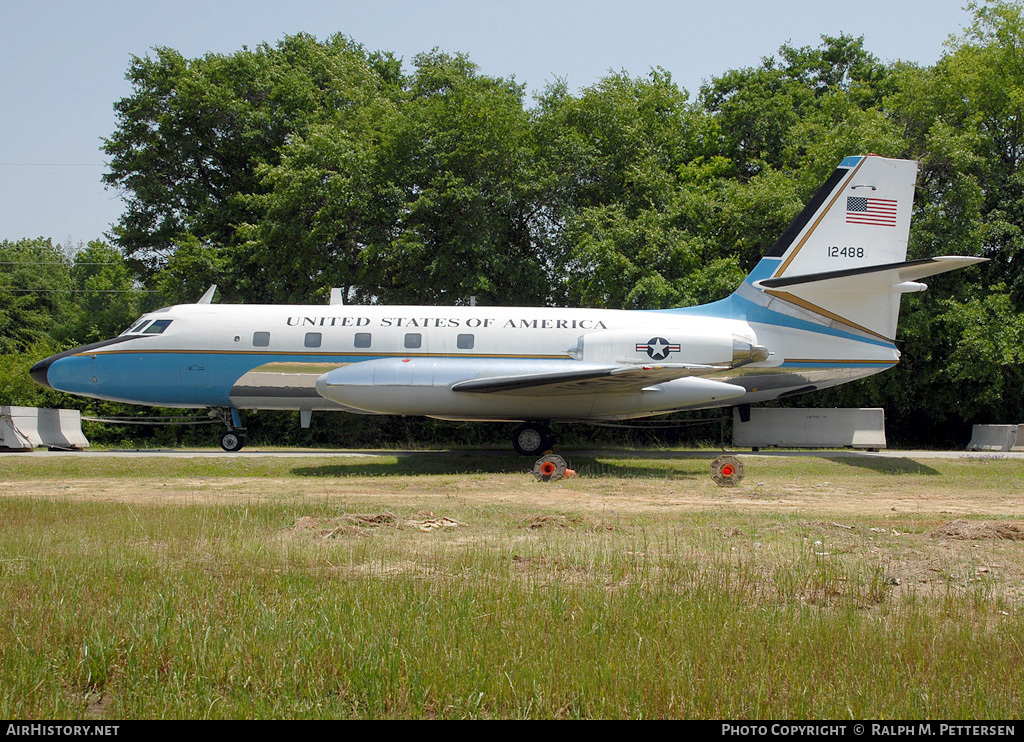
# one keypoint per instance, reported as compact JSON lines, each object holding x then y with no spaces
{"x":232,"y":441}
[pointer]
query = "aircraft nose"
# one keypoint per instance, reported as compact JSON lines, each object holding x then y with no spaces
{"x":41,"y":371}
{"x":38,"y":371}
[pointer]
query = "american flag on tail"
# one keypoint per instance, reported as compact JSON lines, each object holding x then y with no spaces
{"x":880,"y":212}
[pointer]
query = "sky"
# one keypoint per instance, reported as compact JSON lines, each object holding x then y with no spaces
{"x":64,"y":62}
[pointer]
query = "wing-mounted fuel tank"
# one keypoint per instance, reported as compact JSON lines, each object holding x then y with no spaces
{"x":725,"y":347}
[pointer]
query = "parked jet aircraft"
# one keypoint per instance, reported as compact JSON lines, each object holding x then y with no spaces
{"x":819,"y":309}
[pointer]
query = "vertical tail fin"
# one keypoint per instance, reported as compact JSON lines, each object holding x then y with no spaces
{"x":842,"y":261}
{"x":860,"y":217}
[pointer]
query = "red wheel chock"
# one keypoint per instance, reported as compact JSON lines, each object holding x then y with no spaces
{"x":551,"y":468}
{"x":727,"y":471}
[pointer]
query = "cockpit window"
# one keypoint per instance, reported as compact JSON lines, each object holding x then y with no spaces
{"x":137,"y":327}
{"x":157,"y":327}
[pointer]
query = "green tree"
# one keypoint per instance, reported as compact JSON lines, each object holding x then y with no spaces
{"x":190,"y":271}
{"x":104,"y":297}
{"x":624,"y":163}
{"x":424,"y":197}
{"x":462,"y":155}
{"x":192,"y":136}
{"x":35,"y":284}
{"x":619,"y":142}
{"x":757,"y":109}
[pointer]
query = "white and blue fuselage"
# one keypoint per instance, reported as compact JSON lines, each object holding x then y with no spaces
{"x":272,"y":356}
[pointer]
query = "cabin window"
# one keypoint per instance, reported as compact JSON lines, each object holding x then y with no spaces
{"x":261,"y":339}
{"x":313,"y":339}
{"x":363,"y":339}
{"x":413,"y":340}
{"x":157,"y":327}
{"x":465,"y":342}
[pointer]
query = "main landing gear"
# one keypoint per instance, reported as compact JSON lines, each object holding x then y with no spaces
{"x":233,"y":439}
{"x":533,"y":438}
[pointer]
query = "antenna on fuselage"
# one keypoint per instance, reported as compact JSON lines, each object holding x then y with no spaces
{"x":207,"y":298}
{"x":336,"y":297}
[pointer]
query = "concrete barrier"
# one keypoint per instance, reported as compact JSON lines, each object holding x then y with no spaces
{"x":1019,"y":441}
{"x":19,"y":428}
{"x":24,"y":428}
{"x":62,"y":429}
{"x":854,"y":427}
{"x":992,"y":438}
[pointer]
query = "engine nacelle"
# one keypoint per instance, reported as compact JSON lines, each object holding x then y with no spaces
{"x":724,"y":348}
{"x":423,"y":386}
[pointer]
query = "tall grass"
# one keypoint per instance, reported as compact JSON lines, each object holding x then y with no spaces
{"x":211,"y":611}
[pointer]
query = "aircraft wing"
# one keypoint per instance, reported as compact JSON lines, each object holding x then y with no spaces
{"x":605,"y":379}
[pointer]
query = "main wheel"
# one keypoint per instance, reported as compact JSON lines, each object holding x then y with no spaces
{"x":530,"y":439}
{"x":232,"y":441}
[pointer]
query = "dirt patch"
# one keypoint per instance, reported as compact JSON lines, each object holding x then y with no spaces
{"x":98,"y":705}
{"x":426,"y":521}
{"x":528,"y":561}
{"x":567,"y":521}
{"x":349,"y":525}
{"x":977,"y":531}
{"x":851,"y":492}
{"x":557,"y":521}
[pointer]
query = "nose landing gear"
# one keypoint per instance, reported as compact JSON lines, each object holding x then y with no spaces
{"x":232,"y":441}
{"x":234,"y":438}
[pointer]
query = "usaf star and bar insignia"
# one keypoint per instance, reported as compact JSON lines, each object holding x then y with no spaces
{"x":658,"y":348}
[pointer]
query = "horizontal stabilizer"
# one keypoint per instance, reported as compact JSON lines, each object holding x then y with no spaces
{"x":890,"y":273}
{"x":865,"y":298}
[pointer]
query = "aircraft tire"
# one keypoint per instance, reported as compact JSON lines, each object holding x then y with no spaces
{"x":532,"y":439}
{"x":232,"y":441}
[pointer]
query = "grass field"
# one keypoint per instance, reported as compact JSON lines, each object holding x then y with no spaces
{"x":454,"y":585}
